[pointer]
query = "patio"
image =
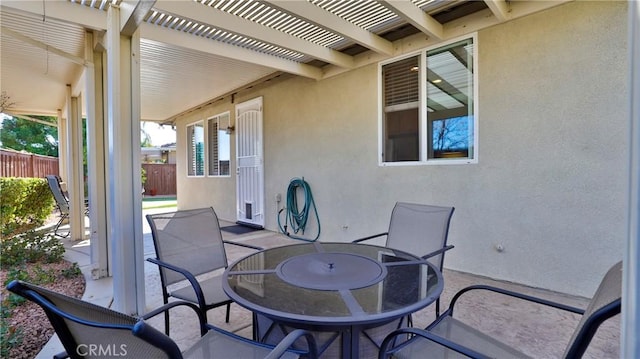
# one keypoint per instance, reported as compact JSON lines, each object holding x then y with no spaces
{"x":545,"y":191}
{"x":539,"y":332}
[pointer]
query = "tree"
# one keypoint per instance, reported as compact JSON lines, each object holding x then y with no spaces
{"x":24,"y":135}
{"x":5,"y":101}
{"x":145,"y":137}
{"x":451,"y":134}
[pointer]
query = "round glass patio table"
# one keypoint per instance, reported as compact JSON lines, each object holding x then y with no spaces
{"x":356,"y":293}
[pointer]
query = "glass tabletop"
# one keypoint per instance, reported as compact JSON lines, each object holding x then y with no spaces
{"x":332,"y":283}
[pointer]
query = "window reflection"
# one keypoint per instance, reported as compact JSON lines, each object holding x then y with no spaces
{"x":252,"y":282}
{"x":450,"y":100}
{"x":219,"y":145}
{"x":195,"y":149}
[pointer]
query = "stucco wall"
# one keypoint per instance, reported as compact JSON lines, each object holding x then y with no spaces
{"x":551,"y":182}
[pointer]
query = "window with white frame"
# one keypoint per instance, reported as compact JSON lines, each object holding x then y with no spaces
{"x":219,"y":142}
{"x":195,"y":149}
{"x":428,"y":106}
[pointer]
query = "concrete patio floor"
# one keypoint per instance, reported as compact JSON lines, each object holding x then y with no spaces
{"x":537,"y":331}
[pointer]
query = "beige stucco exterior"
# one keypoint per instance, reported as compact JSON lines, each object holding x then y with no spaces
{"x":550,"y":184}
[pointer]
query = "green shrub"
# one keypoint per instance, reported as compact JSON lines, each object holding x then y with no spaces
{"x":23,"y":257}
{"x":72,"y":272}
{"x":17,"y":273}
{"x":25,"y":203}
{"x":39,"y":274}
{"x":29,"y":248}
{"x":10,"y":336}
{"x":143,"y":176}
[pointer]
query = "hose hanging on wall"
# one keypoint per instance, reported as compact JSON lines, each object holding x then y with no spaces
{"x":295,"y":219}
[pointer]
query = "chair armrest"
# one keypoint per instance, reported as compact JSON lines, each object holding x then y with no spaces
{"x":166,"y":307}
{"x":513,"y":294}
{"x":370,"y":237}
{"x":280,"y":348}
{"x":287,"y":341}
{"x":439,"y":251}
{"x":17,"y":287}
{"x":243,"y":245}
{"x":190,"y":277}
{"x":388,"y":341}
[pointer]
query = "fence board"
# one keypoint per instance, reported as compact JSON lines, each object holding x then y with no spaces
{"x":161,"y":179}
{"x":18,"y":164}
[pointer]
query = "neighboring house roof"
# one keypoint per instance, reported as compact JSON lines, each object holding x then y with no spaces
{"x":154,"y":154}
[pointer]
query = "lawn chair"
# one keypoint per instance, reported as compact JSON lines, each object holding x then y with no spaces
{"x":419,"y":229}
{"x":62,"y":203}
{"x":88,"y":330}
{"x":447,"y":337}
{"x":188,"y":244}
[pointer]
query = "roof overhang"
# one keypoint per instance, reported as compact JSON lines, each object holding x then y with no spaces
{"x":194,"y":52}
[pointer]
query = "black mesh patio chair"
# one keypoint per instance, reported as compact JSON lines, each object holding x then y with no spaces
{"x":62,"y":203}
{"x":419,"y":229}
{"x":87,"y":330}
{"x":189,"y":244}
{"x":448,"y":337}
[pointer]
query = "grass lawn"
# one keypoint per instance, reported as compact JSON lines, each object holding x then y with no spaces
{"x":158,"y":202}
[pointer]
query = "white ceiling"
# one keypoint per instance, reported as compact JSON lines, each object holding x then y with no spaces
{"x":195,"y":51}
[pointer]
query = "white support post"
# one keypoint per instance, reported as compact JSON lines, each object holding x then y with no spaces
{"x":631,"y":271}
{"x":124,"y":202}
{"x":62,"y":145}
{"x":75,"y":173}
{"x":96,"y":159}
{"x":136,"y":166}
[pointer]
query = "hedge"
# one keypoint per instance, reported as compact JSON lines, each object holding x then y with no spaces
{"x":25,"y":203}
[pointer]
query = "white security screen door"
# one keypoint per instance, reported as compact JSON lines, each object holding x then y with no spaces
{"x":250,"y":165}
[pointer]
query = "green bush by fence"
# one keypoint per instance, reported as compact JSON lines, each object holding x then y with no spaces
{"x":25,"y":203}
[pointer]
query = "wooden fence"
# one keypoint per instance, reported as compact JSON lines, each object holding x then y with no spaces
{"x":161,"y":179}
{"x":18,"y":164}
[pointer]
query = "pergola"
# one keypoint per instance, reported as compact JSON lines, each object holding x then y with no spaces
{"x":119,"y":62}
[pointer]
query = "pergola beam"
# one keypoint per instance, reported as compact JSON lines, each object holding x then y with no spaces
{"x":176,"y":38}
{"x":334,"y":23}
{"x":84,"y":16}
{"x":29,"y":118}
{"x":221,"y":20}
{"x":132,"y":13}
{"x":68,"y":12}
{"x":416,"y":17}
{"x":39,"y":44}
{"x":499,"y":8}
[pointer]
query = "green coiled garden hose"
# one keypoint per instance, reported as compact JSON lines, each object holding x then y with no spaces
{"x":296,"y":219}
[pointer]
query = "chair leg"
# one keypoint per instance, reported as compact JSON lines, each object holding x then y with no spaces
{"x":254,"y":329}
{"x":166,"y":320}
{"x":228,"y":312}
{"x":55,"y":230}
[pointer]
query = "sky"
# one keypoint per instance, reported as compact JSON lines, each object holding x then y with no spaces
{"x":159,"y":135}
